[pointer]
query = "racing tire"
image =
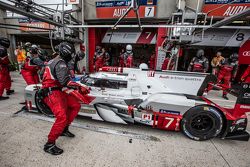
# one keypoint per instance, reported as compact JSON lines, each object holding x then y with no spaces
{"x":41,"y":106}
{"x":202,"y":123}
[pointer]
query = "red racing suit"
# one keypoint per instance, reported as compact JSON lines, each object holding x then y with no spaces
{"x":64,"y":106}
{"x":165,"y":64}
{"x":5,"y":79}
{"x":99,"y":60}
{"x":129,"y":62}
{"x":128,"y":59}
{"x":226,"y":72}
{"x":246,"y":76}
{"x":121,"y":61}
{"x":30,"y":71}
{"x":199,"y":65}
{"x":152,"y":62}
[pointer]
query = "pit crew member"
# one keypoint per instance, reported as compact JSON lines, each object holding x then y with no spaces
{"x":31,"y":66}
{"x":215,"y":63}
{"x":128,"y":56}
{"x":152,"y":61}
{"x":5,"y":79}
{"x":227,"y":72}
{"x":199,"y":63}
{"x":65,"y":107}
{"x":98,"y":57}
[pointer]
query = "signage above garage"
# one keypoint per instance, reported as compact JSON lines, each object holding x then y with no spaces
{"x":115,"y":9}
{"x":225,"y":8}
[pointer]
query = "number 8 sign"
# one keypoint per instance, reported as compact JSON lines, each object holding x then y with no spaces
{"x":149,"y":11}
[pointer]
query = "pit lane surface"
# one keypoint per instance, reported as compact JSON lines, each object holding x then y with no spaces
{"x":22,"y":138}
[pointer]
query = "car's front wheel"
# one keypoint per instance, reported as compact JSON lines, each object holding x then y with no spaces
{"x":41,"y":106}
{"x":202,"y":123}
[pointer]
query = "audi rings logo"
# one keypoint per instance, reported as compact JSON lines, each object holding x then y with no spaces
{"x":246,"y":53}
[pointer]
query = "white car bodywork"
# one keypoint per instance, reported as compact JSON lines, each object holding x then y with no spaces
{"x":160,"y":91}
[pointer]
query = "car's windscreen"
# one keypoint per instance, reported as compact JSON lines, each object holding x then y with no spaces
{"x":86,"y":80}
{"x":103,"y":83}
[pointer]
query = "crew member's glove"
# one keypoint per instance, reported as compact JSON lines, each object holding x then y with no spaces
{"x":84,"y":90}
{"x":73,"y":85}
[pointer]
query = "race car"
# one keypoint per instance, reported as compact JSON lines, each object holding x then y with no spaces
{"x":117,"y":97}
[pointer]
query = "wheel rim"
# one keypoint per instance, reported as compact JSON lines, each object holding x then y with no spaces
{"x":202,"y":123}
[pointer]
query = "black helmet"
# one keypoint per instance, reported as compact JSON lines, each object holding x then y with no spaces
{"x":5,"y":42}
{"x":234,"y":57}
{"x":3,"y":52}
{"x":66,"y":50}
{"x":56,"y":48}
{"x":42,"y":54}
{"x":34,"y":49}
{"x":80,"y":55}
{"x":200,"y":53}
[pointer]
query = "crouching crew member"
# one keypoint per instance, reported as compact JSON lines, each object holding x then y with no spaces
{"x":227,"y":72}
{"x":31,"y":66}
{"x":199,"y":63}
{"x":65,"y":107}
{"x":5,"y":79}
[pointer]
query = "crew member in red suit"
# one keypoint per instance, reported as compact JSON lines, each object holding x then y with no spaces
{"x":5,"y":79}
{"x":166,"y":62}
{"x":31,"y":66}
{"x":227,"y":72}
{"x":199,"y":63}
{"x":121,"y":59}
{"x":152,"y":61}
{"x":128,"y":57}
{"x":246,"y":76}
{"x":64,"y":106}
{"x":99,"y":56}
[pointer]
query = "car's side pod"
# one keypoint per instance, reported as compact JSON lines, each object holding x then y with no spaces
{"x":236,"y":130}
{"x":242,"y":105}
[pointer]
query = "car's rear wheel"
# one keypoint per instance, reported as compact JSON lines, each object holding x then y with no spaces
{"x":41,"y":106}
{"x":202,"y":123}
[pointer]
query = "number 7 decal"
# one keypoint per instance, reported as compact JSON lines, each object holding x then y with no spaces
{"x":170,"y":121}
{"x":149,"y":11}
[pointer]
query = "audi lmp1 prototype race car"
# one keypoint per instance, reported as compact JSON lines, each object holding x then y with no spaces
{"x":161,"y":99}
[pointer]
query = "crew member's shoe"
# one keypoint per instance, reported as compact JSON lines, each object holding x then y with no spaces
{"x":67,"y":133}
{"x":52,"y":149}
{"x":3,"y":98}
{"x":225,"y":97}
{"x":9,"y":92}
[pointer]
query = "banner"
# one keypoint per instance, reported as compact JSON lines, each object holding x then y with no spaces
{"x":36,"y":24}
{"x":225,"y":8}
{"x":147,"y":36}
{"x":220,"y":37}
{"x":244,"y":53}
{"x":115,"y":9}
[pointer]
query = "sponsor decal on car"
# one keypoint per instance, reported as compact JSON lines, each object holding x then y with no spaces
{"x":244,"y":107}
{"x":163,"y":111}
{"x":146,"y":116}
